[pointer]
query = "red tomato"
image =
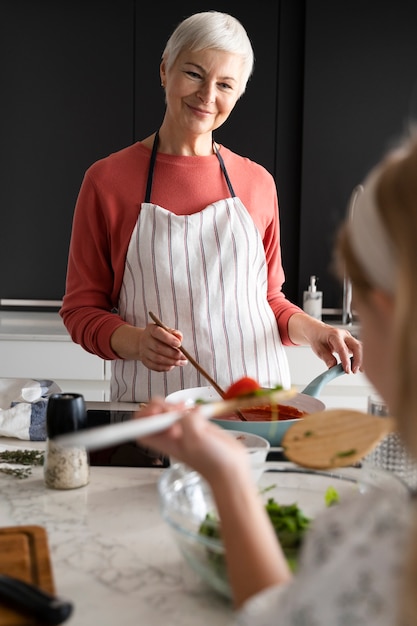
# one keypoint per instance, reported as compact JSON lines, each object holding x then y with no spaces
{"x":241,"y":387}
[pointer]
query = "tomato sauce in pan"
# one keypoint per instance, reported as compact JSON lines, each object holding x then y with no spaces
{"x":269,"y":414}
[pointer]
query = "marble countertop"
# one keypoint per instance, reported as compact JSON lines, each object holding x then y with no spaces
{"x":112,"y":555}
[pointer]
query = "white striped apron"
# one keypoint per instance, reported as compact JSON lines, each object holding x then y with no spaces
{"x":205,"y":274}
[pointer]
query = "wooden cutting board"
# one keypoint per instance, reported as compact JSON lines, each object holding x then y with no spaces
{"x":24,"y":554}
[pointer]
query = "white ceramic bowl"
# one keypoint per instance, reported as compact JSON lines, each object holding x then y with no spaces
{"x":257,"y":448}
{"x":186,"y":500}
{"x":272,"y":431}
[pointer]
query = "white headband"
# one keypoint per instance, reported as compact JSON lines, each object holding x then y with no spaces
{"x":369,"y":239}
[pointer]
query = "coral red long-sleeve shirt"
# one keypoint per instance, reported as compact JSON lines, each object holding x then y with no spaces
{"x":106,"y":213}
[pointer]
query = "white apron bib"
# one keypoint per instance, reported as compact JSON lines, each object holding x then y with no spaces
{"x":206,"y":275}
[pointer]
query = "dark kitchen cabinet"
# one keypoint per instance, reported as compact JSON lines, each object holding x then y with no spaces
{"x":360,"y":95}
{"x":80,"y":80}
{"x":334,"y":85}
{"x":67,"y":100}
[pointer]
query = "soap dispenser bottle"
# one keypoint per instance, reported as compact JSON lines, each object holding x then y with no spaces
{"x":313,"y":299}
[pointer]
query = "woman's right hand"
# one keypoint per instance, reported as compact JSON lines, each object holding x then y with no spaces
{"x":159,"y":349}
{"x":155,"y":347}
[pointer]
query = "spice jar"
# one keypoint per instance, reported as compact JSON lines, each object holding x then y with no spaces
{"x":65,"y":467}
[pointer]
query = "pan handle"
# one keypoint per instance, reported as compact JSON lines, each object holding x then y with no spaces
{"x":313,"y":389}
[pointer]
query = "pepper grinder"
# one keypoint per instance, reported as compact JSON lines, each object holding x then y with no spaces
{"x":65,"y":467}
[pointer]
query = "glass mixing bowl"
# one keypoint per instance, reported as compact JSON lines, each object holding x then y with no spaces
{"x":187,"y":503}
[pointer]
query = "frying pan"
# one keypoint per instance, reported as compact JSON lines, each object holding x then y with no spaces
{"x":306,"y":400}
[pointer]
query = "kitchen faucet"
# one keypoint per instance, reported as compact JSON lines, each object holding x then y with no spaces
{"x":347,"y":314}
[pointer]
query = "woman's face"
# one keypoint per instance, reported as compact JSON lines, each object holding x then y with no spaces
{"x":201,"y":89}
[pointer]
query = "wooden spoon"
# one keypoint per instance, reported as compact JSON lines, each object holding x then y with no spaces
{"x":196,"y":364}
{"x":115,"y":433}
{"x":323,"y":440}
{"x":334,"y":437}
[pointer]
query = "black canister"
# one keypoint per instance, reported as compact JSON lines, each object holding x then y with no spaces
{"x":65,"y":467}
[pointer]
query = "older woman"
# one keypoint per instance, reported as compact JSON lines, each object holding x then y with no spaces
{"x":184,"y":227}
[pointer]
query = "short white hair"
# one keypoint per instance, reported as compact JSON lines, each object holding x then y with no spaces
{"x":211,"y":30}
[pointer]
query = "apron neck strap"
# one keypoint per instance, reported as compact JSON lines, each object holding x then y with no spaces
{"x":224,"y":170}
{"x":151,"y":167}
{"x":153,"y":161}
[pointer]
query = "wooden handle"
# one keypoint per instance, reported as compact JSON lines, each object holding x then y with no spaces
{"x":197,"y":365}
{"x":188,"y":356}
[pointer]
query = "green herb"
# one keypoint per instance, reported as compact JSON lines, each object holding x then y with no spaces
{"x":267,"y":488}
{"x":22,"y":457}
{"x":289,"y":522}
{"x":344,"y":453}
{"x":265,"y":392}
{"x":210,"y":527}
{"x":308,"y":433}
{"x":331,"y":496}
{"x":290,"y":525}
{"x":18,"y":472}
{"x":257,"y":392}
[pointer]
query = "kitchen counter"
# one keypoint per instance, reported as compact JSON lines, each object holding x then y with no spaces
{"x":112,"y":555}
{"x":32,"y":326}
{"x":37,"y":345}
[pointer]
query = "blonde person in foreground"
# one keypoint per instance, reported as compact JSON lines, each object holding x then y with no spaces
{"x":359,"y":561}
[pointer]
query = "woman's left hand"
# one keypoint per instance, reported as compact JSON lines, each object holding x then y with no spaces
{"x":326,"y":341}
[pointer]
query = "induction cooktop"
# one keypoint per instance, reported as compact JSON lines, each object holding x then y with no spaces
{"x":128,"y":454}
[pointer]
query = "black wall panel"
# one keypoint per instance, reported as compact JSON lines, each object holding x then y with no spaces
{"x":66,"y":76}
{"x":360,"y":95}
{"x":334,"y":85}
{"x":82,"y":80}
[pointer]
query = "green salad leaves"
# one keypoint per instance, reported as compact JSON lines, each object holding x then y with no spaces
{"x":289,"y":522}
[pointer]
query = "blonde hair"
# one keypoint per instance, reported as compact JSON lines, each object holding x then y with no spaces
{"x":396,"y":201}
{"x":212,"y":30}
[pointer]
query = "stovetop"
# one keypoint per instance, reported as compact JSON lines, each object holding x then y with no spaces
{"x":129,"y":454}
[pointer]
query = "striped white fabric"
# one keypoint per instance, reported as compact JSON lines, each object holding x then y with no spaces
{"x":206,"y":275}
